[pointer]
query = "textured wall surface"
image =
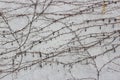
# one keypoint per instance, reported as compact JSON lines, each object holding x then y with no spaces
{"x":59,"y":40}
